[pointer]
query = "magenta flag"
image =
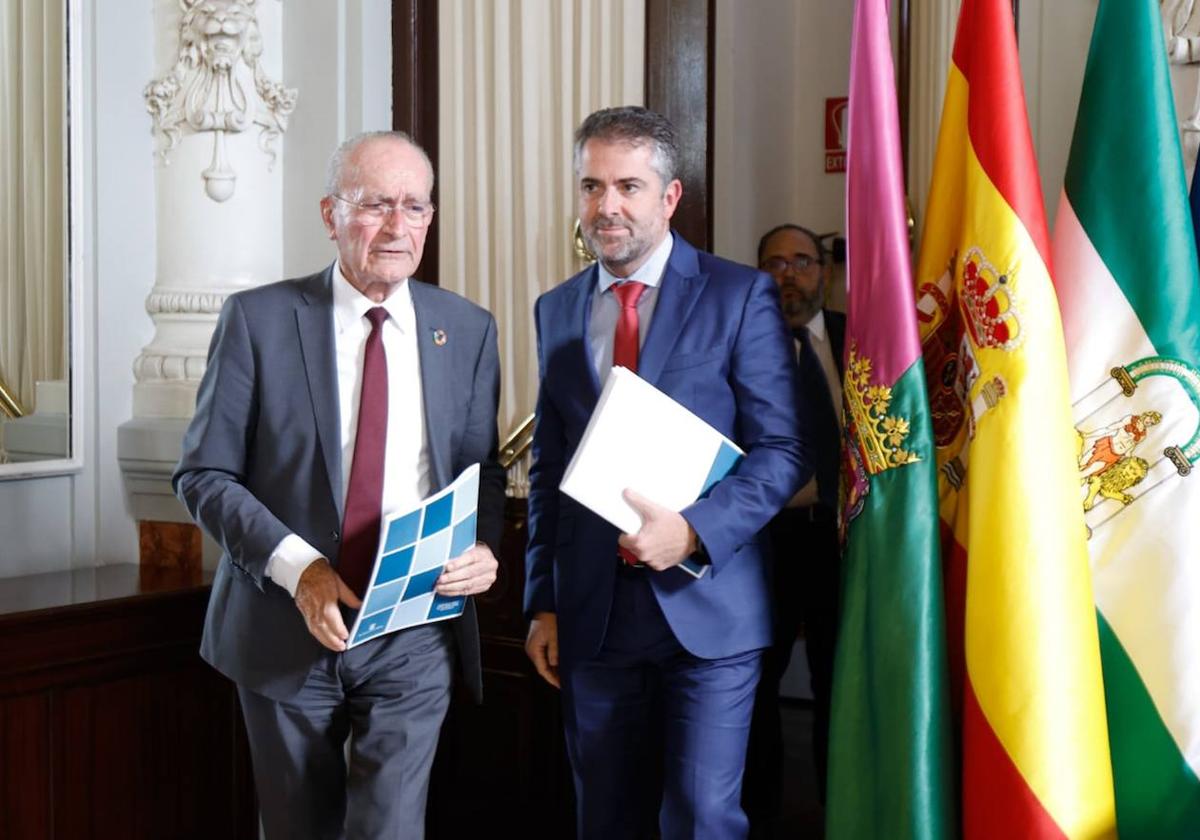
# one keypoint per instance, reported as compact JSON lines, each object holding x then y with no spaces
{"x":878,"y":261}
{"x":889,"y":754}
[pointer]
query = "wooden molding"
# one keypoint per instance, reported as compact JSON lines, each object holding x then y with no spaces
{"x":679,"y":85}
{"x":415,"y":96}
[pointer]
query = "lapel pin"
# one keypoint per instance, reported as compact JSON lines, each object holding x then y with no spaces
{"x":439,"y":338}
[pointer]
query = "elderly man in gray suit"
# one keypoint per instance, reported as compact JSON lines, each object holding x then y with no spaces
{"x":329,"y":402}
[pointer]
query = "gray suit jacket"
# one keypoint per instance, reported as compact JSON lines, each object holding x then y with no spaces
{"x":262,"y":458}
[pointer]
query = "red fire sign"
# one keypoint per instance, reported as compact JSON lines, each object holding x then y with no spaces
{"x":835,"y":133}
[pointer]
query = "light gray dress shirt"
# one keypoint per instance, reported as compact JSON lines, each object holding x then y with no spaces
{"x":606,"y":309}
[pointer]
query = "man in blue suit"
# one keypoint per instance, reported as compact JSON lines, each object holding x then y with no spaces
{"x":328,"y":403}
{"x":657,"y":668}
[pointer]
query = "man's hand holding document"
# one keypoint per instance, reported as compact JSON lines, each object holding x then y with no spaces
{"x":640,"y":440}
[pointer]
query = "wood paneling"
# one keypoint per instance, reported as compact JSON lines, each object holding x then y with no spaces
{"x":501,"y":768}
{"x":25,"y":768}
{"x":415,"y":96}
{"x":112,"y":726}
{"x":679,"y":85}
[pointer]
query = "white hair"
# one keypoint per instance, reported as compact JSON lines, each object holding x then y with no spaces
{"x":339,"y":161}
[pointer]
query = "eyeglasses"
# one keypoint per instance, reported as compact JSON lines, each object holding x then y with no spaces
{"x":798,"y":263}
{"x":416,"y":213}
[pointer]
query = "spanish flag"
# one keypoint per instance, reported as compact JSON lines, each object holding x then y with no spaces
{"x":890,"y":759}
{"x":1024,"y":650}
{"x":1129,"y":287}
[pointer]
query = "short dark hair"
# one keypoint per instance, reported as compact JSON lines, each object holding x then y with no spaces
{"x":636,"y":126}
{"x":816,"y":240}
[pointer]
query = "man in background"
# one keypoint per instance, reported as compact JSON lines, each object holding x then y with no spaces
{"x":804,"y":537}
{"x":330,"y":402}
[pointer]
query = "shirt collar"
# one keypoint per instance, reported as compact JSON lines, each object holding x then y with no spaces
{"x":350,"y":305}
{"x":816,"y":326}
{"x":650,"y":272}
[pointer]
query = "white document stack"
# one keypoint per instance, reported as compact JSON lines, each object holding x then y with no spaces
{"x":641,"y":439}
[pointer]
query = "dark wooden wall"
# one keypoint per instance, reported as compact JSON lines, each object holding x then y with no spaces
{"x":111,"y":726}
{"x":501,"y":768}
{"x":679,"y":85}
{"x":414,"y":96}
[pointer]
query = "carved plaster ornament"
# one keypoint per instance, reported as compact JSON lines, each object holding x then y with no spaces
{"x":218,"y":84}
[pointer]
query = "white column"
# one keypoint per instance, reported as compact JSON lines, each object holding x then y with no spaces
{"x":218,"y":112}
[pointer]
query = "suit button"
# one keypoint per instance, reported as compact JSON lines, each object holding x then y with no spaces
{"x":334,"y":535}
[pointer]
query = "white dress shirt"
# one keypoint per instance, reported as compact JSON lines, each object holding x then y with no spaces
{"x":406,"y":473}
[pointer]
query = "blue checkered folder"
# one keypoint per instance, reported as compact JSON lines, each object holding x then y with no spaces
{"x":639,"y":438}
{"x":413,"y":548}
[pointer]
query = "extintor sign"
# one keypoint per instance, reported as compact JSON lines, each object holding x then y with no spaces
{"x":835,"y":133}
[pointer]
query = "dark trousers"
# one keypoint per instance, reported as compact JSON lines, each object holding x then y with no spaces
{"x":645,"y":712}
{"x":806,"y":593}
{"x":389,"y":697}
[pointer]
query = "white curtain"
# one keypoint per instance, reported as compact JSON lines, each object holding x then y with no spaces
{"x":516,"y":78}
{"x":32,"y":195}
{"x":933,"y":27}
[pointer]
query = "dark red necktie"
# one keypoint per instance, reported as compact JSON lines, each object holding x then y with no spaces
{"x":625,"y":351}
{"x":364,"y":494}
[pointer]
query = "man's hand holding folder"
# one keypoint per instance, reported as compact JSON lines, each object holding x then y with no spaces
{"x":642,"y":459}
{"x":665,"y":538}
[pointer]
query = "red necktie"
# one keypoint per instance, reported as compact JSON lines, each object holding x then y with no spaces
{"x":625,"y":342}
{"x":364,"y":494}
{"x":625,"y":351}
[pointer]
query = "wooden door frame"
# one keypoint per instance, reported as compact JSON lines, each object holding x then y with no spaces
{"x":415,"y":95}
{"x":679,"y":53}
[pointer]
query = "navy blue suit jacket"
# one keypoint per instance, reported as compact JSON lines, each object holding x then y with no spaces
{"x":262,"y":459}
{"x":717,"y":344}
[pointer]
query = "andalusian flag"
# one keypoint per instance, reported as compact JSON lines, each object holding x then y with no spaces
{"x":1127,"y":280}
{"x":890,"y":756}
{"x":1027,"y":679}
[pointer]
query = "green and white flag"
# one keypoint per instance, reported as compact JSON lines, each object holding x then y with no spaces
{"x":1129,"y":290}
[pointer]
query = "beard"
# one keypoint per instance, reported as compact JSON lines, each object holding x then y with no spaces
{"x":799,"y":306}
{"x":620,"y":254}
